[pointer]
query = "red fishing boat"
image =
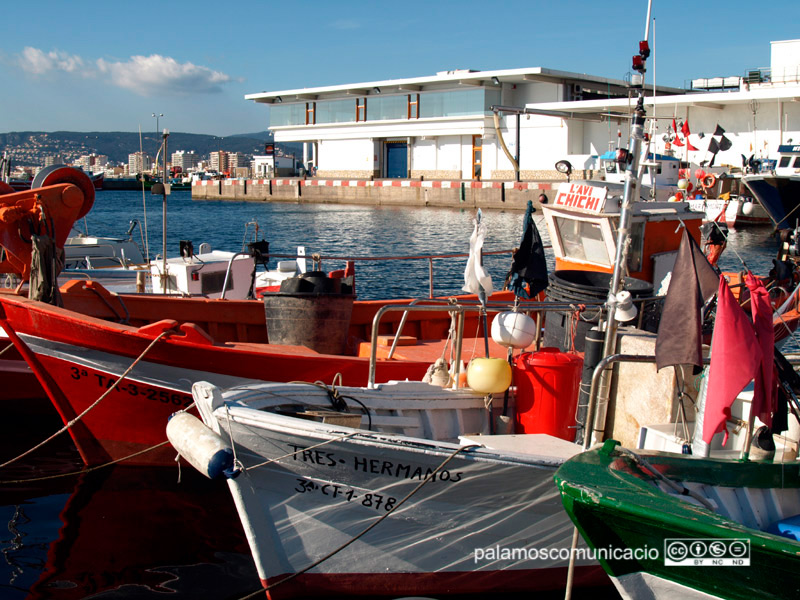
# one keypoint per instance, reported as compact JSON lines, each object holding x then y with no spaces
{"x":79,"y":351}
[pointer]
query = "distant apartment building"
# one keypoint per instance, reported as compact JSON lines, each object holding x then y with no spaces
{"x":219,"y":161}
{"x":185,"y":160}
{"x":92,"y":163}
{"x":238,"y":159}
{"x":55,"y":159}
{"x":139,"y":162}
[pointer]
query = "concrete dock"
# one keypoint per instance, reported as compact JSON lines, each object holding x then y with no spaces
{"x":502,"y":195}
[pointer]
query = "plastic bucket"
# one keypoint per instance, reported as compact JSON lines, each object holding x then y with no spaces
{"x":547,"y":382}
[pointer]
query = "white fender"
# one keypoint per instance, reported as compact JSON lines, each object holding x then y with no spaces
{"x":513,"y":329}
{"x":202,"y":448}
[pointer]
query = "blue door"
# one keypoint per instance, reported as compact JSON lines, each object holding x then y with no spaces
{"x":396,"y":160}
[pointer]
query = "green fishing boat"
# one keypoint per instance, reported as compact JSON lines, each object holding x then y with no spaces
{"x":670,"y":526}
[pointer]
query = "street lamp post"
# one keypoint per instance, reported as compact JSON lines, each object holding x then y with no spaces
{"x":157,"y":117}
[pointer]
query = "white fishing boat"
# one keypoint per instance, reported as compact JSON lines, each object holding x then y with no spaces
{"x":734,"y":212}
{"x":85,"y":251}
{"x":401,"y":494}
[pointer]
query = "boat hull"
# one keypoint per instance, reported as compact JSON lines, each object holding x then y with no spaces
{"x":779,"y":195}
{"x":617,"y":507}
{"x":735,"y":213}
{"x":449,"y":537}
{"x":77,"y":359}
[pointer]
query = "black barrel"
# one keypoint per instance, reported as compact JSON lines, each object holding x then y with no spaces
{"x":581,"y":287}
{"x":311,"y":311}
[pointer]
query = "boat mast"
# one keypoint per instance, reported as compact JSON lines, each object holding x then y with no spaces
{"x":630,"y":159}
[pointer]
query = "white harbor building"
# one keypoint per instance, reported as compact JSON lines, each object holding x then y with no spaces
{"x":455,"y":124}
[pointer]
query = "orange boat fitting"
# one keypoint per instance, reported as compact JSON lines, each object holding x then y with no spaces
{"x":68,"y":194}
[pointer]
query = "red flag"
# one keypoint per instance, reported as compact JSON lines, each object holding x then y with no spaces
{"x":677,"y":141}
{"x":675,"y":128}
{"x":765,"y":396}
{"x":735,"y":359}
{"x":685,"y":128}
{"x":689,"y":146}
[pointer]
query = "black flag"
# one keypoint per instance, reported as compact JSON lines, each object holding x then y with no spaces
{"x":529,"y":264}
{"x":713,"y":147}
{"x":719,"y":131}
{"x":692,"y":284}
{"x":725,"y":144}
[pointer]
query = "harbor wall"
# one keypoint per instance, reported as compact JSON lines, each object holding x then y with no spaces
{"x":390,"y":192}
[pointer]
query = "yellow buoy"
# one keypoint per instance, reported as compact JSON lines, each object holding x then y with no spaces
{"x":489,"y":375}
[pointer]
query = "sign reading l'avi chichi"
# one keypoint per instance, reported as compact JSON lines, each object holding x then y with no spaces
{"x":581,"y":196}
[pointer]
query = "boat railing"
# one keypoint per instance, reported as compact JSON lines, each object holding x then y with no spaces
{"x":460,"y":309}
{"x":595,"y":420}
{"x":317,"y":260}
{"x":228,"y":272}
{"x":89,"y":259}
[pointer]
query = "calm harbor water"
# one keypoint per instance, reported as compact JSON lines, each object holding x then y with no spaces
{"x":140,"y":533}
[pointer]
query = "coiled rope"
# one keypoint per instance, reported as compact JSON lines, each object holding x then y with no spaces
{"x":95,"y":403}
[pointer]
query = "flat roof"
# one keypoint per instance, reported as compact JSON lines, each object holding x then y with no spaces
{"x":446,"y":79}
{"x":713,"y":100}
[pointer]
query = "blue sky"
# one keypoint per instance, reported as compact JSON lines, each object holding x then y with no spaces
{"x":89,"y":66}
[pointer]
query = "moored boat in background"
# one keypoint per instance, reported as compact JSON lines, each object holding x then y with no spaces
{"x":779,"y":191}
{"x":659,"y":523}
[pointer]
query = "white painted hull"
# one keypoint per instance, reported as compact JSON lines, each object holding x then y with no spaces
{"x":448,"y":536}
{"x":637,"y":586}
{"x":736,"y":212}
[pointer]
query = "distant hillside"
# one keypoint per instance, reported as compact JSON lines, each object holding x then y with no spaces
{"x":31,"y":147}
{"x":264,"y":136}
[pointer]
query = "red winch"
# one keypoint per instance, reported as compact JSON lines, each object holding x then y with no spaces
{"x":60,"y":196}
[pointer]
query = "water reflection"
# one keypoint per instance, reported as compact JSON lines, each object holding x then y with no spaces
{"x":120,"y":532}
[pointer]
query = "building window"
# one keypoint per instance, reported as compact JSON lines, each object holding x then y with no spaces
{"x":361,"y":109}
{"x":311,"y":115}
{"x":413,"y":106}
{"x":334,"y":111}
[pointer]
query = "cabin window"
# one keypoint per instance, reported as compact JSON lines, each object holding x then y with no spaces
{"x":797,"y":163}
{"x":311,"y":113}
{"x":361,"y":109}
{"x":785,"y":161}
{"x":582,"y":240}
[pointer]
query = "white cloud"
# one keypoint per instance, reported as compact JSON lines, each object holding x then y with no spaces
{"x":146,"y":75}
{"x":37,"y":62}
{"x":143,"y":75}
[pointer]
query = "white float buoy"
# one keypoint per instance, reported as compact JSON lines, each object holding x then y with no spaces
{"x":202,"y":448}
{"x":513,"y":329}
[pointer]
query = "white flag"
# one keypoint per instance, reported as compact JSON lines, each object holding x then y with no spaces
{"x":475,"y":276}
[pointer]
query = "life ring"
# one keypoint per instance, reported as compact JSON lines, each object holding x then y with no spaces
{"x":708,"y":180}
